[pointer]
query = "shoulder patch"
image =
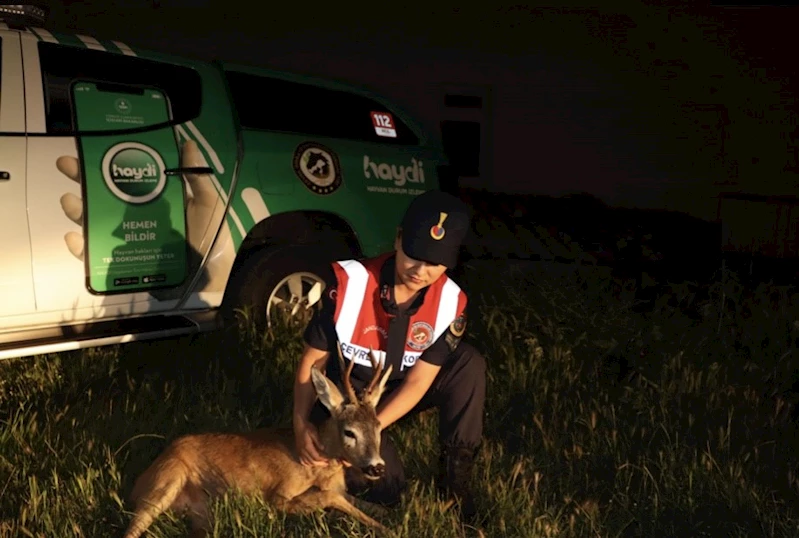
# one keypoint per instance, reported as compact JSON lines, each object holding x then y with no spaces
{"x":420,"y":336}
{"x":458,"y":327}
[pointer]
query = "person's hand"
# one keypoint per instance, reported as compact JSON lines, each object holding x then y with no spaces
{"x":204,"y":206}
{"x":309,"y":447}
{"x":71,"y":204}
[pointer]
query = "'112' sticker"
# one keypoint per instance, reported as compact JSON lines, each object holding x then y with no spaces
{"x":384,"y":124}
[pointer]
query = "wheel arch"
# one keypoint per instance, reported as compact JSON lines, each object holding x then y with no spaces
{"x":302,"y":228}
{"x":327,"y":230}
{"x":324,"y":233}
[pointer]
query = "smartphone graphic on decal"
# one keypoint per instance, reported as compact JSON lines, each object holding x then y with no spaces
{"x":134,"y":214}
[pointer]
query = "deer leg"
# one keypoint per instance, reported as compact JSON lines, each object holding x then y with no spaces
{"x":314,"y":499}
{"x":199,"y":532}
{"x":366,"y":506}
{"x":200,"y":520}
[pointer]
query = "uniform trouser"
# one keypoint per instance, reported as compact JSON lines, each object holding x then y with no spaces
{"x":459,"y":394}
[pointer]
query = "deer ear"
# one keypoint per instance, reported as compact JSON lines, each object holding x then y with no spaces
{"x":373,"y":397}
{"x":327,"y":392}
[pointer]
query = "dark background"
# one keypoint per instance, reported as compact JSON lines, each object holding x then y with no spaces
{"x":616,"y":100}
{"x":642,"y":106}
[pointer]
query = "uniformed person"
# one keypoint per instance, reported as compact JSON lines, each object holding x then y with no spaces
{"x":404,"y":305}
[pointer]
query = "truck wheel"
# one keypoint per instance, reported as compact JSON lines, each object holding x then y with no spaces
{"x":275,"y":285}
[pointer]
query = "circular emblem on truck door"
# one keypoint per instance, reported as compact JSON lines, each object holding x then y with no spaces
{"x":317,"y":167}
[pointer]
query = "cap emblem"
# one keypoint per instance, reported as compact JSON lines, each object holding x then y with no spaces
{"x":437,"y":232}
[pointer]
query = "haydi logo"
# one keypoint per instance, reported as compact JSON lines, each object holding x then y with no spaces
{"x":134,"y":172}
{"x":398,"y":174}
{"x":148,"y":171}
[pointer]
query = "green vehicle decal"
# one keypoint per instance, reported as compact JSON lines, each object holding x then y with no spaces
{"x":134,"y":213}
{"x":368,"y":184}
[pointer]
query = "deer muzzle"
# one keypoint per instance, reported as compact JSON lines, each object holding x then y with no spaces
{"x":374,"y":472}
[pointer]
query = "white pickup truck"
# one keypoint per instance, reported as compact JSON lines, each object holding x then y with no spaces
{"x":141,"y":194}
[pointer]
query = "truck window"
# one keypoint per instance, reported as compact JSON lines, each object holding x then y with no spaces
{"x":273,"y":104}
{"x":62,"y":65}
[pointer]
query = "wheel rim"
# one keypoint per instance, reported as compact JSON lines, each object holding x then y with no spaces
{"x":294,"y":297}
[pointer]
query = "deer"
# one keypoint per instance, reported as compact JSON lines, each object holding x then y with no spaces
{"x":194,"y":468}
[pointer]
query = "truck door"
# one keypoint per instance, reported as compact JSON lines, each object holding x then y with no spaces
{"x":109,"y":219}
{"x":16,"y":278}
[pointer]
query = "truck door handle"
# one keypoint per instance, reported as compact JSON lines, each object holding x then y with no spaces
{"x":4,"y":176}
{"x":188,"y":170}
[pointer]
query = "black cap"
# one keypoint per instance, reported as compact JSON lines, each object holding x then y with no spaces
{"x":433,"y":228}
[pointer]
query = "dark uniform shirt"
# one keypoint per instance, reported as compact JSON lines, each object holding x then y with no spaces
{"x":321,"y":331}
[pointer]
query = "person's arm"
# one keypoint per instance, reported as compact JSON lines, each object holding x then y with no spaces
{"x":309,"y":447}
{"x":304,"y":392}
{"x":408,"y":394}
{"x":319,"y":338}
{"x":421,"y":377}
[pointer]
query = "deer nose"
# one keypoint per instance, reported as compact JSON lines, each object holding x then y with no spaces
{"x":375,"y":470}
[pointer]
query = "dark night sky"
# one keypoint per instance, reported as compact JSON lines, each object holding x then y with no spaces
{"x":213,"y":27}
{"x":217,"y":28}
{"x":636,"y":45}
{"x":228,"y":30}
{"x":351,"y":32}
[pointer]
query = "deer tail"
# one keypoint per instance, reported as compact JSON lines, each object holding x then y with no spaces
{"x":155,"y":491}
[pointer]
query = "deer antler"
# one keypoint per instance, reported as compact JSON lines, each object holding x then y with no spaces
{"x":377,"y":366}
{"x":346,"y":374}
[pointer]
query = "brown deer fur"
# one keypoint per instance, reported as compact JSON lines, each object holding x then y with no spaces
{"x":194,"y":468}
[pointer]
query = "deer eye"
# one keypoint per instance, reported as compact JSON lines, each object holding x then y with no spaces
{"x":350,"y":434}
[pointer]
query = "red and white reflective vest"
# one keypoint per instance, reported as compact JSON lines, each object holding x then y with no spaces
{"x":362,"y":322}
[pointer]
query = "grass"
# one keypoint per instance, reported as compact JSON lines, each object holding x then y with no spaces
{"x":601,"y":421}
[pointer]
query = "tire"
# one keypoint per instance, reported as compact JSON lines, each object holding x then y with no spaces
{"x":264,"y":275}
